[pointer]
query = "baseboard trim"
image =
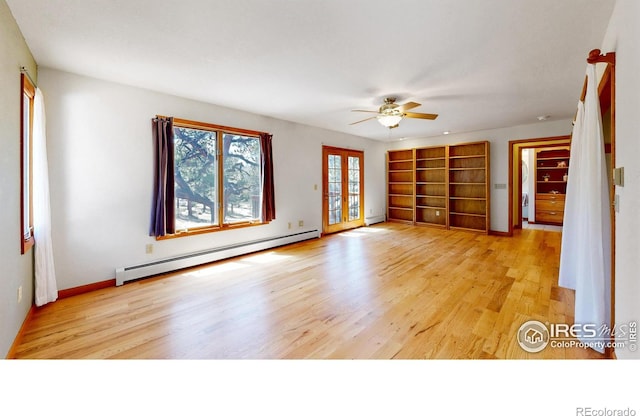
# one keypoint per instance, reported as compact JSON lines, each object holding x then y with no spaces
{"x":18,"y":339}
{"x":79,"y":290}
{"x":500,"y":233}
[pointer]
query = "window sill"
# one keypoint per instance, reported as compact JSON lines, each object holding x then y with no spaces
{"x":206,"y":230}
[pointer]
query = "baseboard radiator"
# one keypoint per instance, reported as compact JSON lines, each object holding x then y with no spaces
{"x":125,"y":274}
{"x":374,"y":220}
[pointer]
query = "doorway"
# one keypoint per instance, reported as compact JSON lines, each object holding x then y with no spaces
{"x":522,"y":193}
{"x":342,"y":189}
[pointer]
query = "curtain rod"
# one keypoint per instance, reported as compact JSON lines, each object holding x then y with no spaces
{"x":26,"y":72}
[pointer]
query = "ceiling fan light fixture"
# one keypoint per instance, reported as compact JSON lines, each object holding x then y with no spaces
{"x":389,"y":120}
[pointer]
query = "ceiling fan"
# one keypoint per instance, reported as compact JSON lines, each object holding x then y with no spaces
{"x":389,"y":114}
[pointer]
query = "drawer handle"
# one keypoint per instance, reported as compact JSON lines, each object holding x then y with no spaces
{"x":552,"y":213}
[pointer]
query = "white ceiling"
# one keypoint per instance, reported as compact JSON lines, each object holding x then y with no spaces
{"x":479,"y":64}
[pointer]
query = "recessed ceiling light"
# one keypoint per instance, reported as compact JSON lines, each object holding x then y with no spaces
{"x":446,"y":132}
{"x":543,"y":118}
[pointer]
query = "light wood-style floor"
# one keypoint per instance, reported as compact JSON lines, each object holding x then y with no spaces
{"x":385,"y":291}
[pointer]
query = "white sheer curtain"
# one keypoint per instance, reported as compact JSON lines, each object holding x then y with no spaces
{"x":45,"y":284}
{"x":570,"y":229}
{"x":585,"y":257}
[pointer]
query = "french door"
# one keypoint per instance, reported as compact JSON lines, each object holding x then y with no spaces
{"x":342,"y":189}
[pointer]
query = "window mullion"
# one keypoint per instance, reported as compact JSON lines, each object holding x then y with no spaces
{"x":220,"y":196}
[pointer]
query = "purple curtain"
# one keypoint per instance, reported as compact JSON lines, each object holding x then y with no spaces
{"x":268,"y":195}
{"x":162,"y":212}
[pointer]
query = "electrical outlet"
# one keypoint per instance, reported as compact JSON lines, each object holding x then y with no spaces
{"x":149,"y":248}
{"x":315,"y":187}
{"x":289,"y":225}
{"x":19,"y":294}
{"x":437,"y":213}
{"x":300,"y":223}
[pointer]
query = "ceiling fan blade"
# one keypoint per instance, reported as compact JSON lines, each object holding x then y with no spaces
{"x":408,"y":106}
{"x":364,"y":111}
{"x":421,"y":115}
{"x":366,"y":119}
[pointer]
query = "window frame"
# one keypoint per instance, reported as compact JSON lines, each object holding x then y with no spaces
{"x":220,"y":131}
{"x":26,"y":164}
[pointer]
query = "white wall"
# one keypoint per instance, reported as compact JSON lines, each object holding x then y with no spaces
{"x":15,"y":269}
{"x":623,"y":37}
{"x":101,"y":162}
{"x":499,"y":149}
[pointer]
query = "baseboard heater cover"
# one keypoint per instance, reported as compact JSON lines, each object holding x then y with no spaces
{"x":125,"y":274}
{"x":374,"y":220}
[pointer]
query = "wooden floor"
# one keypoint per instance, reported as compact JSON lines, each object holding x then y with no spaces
{"x":385,"y":291}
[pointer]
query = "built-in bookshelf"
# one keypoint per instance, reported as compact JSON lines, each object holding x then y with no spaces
{"x":431,"y":186}
{"x":552,"y":173}
{"x":469,"y":186}
{"x":400,"y":180}
{"x":441,"y":186}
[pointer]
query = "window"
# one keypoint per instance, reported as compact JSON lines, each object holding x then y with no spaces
{"x":241,"y":178}
{"x":196,"y":178}
{"x":26,"y":168}
{"x":218,"y":178}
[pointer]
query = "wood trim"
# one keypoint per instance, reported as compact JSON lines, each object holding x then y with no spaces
{"x":28,"y":89}
{"x":212,"y":229}
{"x":512,"y":145}
{"x":541,"y":139}
{"x":18,"y":339}
{"x":500,"y":233}
{"x":612,"y":107}
{"x":181,"y":122}
{"x":519,"y":182}
{"x":220,"y":197}
{"x":605,"y":86}
{"x":79,"y":290}
{"x":487,"y":170}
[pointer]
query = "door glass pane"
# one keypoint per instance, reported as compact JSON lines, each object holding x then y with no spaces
{"x":354,"y":188}
{"x":335,"y":189}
